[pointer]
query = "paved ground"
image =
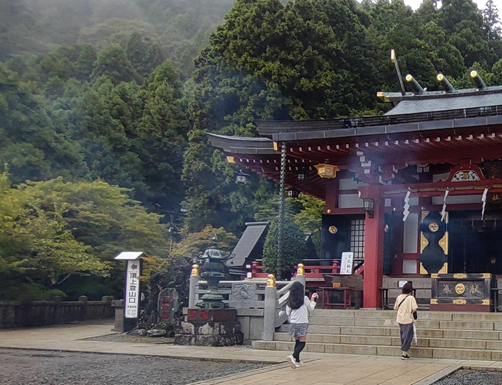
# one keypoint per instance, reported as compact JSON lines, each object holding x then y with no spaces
{"x":328,"y":369}
{"x":42,"y":367}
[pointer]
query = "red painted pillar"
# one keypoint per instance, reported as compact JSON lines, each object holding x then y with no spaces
{"x":373,"y":249}
{"x":331,"y":197}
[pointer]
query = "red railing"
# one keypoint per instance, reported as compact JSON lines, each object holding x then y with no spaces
{"x":314,"y":273}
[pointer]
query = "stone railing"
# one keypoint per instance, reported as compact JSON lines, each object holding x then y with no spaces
{"x":37,"y":313}
{"x":261,"y":305}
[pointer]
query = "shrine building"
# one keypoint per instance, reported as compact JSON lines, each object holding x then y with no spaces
{"x":416,"y":192}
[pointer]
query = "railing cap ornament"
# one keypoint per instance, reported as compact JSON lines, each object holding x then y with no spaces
{"x":301,"y":270}
{"x":195,"y":270}
{"x":271,"y":280}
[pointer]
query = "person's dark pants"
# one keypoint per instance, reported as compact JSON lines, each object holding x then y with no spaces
{"x":406,"y":335}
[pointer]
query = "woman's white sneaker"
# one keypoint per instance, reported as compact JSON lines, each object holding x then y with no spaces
{"x":292,"y":362}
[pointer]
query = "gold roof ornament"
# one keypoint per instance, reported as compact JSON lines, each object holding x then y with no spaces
{"x":447,"y":86}
{"x":415,"y":86}
{"x":326,"y":171}
{"x":477,"y":80}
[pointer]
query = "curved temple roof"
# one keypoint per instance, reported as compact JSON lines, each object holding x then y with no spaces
{"x":431,"y":128}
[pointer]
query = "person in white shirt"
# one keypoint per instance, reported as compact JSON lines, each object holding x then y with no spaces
{"x":405,"y":305}
{"x":298,"y":309}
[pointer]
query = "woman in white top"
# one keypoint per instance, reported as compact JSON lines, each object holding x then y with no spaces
{"x":298,"y":310}
{"x":405,"y":305}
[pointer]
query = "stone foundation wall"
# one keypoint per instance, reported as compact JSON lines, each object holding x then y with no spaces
{"x":251,"y":323}
{"x":15,"y":314}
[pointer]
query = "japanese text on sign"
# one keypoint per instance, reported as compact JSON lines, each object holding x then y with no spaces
{"x":347,"y":262}
{"x":132,"y":290}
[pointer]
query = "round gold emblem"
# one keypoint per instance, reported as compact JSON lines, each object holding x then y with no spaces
{"x":459,"y":288}
{"x":333,"y":229}
{"x":433,"y":226}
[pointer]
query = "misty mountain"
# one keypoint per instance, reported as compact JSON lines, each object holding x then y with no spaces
{"x":182,"y":27}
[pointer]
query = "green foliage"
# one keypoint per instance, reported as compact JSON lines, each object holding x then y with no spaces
{"x":113,"y":64}
{"x":309,"y":218}
{"x":53,"y":231}
{"x":294,"y":248}
{"x":194,"y":244}
{"x":30,"y":142}
{"x":178,"y":29}
{"x":102,"y":217}
{"x":36,"y":245}
{"x":173,"y":273}
{"x":112,"y":110}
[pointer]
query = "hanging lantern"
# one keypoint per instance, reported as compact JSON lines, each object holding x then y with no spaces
{"x":326,"y":170}
{"x":241,"y":177}
{"x":293,"y":193}
{"x":368,"y":205}
{"x":302,"y":176}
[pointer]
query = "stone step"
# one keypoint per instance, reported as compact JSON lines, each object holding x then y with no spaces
{"x":394,"y":340}
{"x":455,"y":335}
{"x":421,"y":323}
{"x":393,"y":331}
{"x":434,"y":315}
{"x":425,"y":352}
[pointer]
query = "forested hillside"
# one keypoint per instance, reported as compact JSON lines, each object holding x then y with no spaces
{"x":180,"y":28}
{"x":104,"y":113}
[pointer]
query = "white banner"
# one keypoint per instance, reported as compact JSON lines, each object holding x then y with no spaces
{"x":131,"y":301}
{"x":483,"y":199}
{"x":406,"y":210}
{"x":443,"y":211}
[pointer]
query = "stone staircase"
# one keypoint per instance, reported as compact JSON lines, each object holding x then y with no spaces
{"x":454,"y":335}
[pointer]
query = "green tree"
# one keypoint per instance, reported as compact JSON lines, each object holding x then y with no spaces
{"x":37,"y":249}
{"x":268,"y":62}
{"x":294,"y":248}
{"x":105,"y":221}
{"x":492,"y":21}
{"x":154,"y":57}
{"x":135,"y":50}
{"x":103,"y":217}
{"x":29,"y":140}
{"x":112,"y":63}
{"x":194,"y":244}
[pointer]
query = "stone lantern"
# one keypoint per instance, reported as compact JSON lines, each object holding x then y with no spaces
{"x":214,"y":272}
{"x":210,"y":322}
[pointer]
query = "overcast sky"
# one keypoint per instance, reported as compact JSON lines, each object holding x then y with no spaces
{"x":481,"y":4}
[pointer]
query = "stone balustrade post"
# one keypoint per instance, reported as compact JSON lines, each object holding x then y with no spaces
{"x":57,"y":315}
{"x":118,"y":305}
{"x":85,"y":308}
{"x":300,"y":275}
{"x":194,"y":280}
{"x":269,"y":312}
{"x":107,"y":309}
